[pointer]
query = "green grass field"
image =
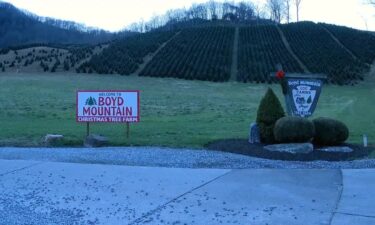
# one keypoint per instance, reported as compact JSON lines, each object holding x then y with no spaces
{"x":175,"y":113}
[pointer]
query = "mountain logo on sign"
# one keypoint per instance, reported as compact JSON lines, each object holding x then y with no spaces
{"x":91,"y":101}
{"x":303,"y":98}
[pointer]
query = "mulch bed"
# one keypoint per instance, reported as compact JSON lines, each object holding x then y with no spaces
{"x":242,"y":146}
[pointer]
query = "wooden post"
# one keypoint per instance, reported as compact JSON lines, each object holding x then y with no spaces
{"x":87,"y":129}
{"x":127,"y":130}
{"x":365,"y":141}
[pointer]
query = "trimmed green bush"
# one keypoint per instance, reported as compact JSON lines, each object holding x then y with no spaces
{"x":330,"y":132}
{"x":269,"y":111}
{"x":294,"y":130}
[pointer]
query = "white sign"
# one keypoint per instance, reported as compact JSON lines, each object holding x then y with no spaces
{"x":303,"y":96}
{"x":107,"y":106}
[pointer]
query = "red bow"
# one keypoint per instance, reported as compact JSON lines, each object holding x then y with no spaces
{"x":280,"y":74}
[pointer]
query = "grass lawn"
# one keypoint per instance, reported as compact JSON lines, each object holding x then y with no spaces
{"x":175,"y":113}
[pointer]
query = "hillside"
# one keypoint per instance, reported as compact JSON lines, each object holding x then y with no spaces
{"x":321,"y":54}
{"x":207,"y":52}
{"x":124,"y":56}
{"x":18,"y":27}
{"x":195,"y":54}
{"x":50,"y":58}
{"x":261,"y":49}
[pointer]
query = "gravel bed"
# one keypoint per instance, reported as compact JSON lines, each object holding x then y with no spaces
{"x":168,"y":157}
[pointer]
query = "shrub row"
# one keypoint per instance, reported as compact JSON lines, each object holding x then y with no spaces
{"x":195,"y":54}
{"x":124,"y":56}
{"x":322,"y":131}
{"x":260,"y":50}
{"x":321,"y":54}
{"x":361,"y":43}
{"x":275,"y":128}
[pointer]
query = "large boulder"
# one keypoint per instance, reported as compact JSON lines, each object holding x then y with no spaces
{"x":53,"y":140}
{"x":336,"y":149}
{"x":292,"y":129}
{"x":330,"y":132}
{"x":294,"y":148}
{"x":254,"y":135}
{"x":94,"y":140}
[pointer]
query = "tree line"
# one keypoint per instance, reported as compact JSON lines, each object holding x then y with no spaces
{"x":241,"y":12}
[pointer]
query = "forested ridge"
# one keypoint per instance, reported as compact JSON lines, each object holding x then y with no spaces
{"x":18,"y":27}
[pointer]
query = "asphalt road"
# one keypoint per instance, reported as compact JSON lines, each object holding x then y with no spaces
{"x":46,"y":192}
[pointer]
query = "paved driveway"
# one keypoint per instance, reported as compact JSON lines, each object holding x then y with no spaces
{"x":33,"y":192}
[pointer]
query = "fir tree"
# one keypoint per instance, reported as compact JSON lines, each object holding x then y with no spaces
{"x":269,"y":111}
{"x":309,"y":100}
{"x":91,"y":101}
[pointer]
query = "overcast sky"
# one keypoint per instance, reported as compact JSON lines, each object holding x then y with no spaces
{"x":114,"y":15}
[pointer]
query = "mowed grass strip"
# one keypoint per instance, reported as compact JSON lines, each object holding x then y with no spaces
{"x":174,"y":113}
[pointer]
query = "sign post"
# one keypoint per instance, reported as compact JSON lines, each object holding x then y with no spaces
{"x":107,"y":107}
{"x":88,"y":129}
{"x":301,"y":92}
{"x":127,"y":130}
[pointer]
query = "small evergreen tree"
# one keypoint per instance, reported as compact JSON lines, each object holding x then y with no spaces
{"x":66,"y":65}
{"x":309,"y":100}
{"x":269,"y":111}
{"x":91,"y":101}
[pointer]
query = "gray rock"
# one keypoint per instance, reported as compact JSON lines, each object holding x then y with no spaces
{"x":254,"y":136}
{"x":94,"y":140}
{"x":344,"y":149}
{"x":53,"y":140}
{"x":294,"y":148}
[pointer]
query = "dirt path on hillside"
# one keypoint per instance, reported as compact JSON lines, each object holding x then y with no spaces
{"x":147,"y":59}
{"x":339,"y":43}
{"x":234,"y":67}
{"x":287,"y":45}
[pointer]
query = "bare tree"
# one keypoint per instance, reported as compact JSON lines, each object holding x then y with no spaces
{"x":225,"y":7}
{"x":198,"y":11}
{"x":260,"y":11}
{"x":298,"y":4}
{"x":137,"y":27}
{"x":225,"y":10}
{"x":212,"y":7}
{"x":175,"y":15}
{"x":287,"y":10}
{"x":245,"y":11}
{"x":276,"y":9}
{"x":202,"y":9}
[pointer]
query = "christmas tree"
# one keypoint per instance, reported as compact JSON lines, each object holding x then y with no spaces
{"x":91,"y":101}
{"x":309,"y":100}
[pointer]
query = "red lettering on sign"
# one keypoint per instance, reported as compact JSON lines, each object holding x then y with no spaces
{"x":86,"y":111}
{"x":111,"y":101}
{"x":94,"y":111}
{"x":129,"y":111}
{"x":120,"y":101}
